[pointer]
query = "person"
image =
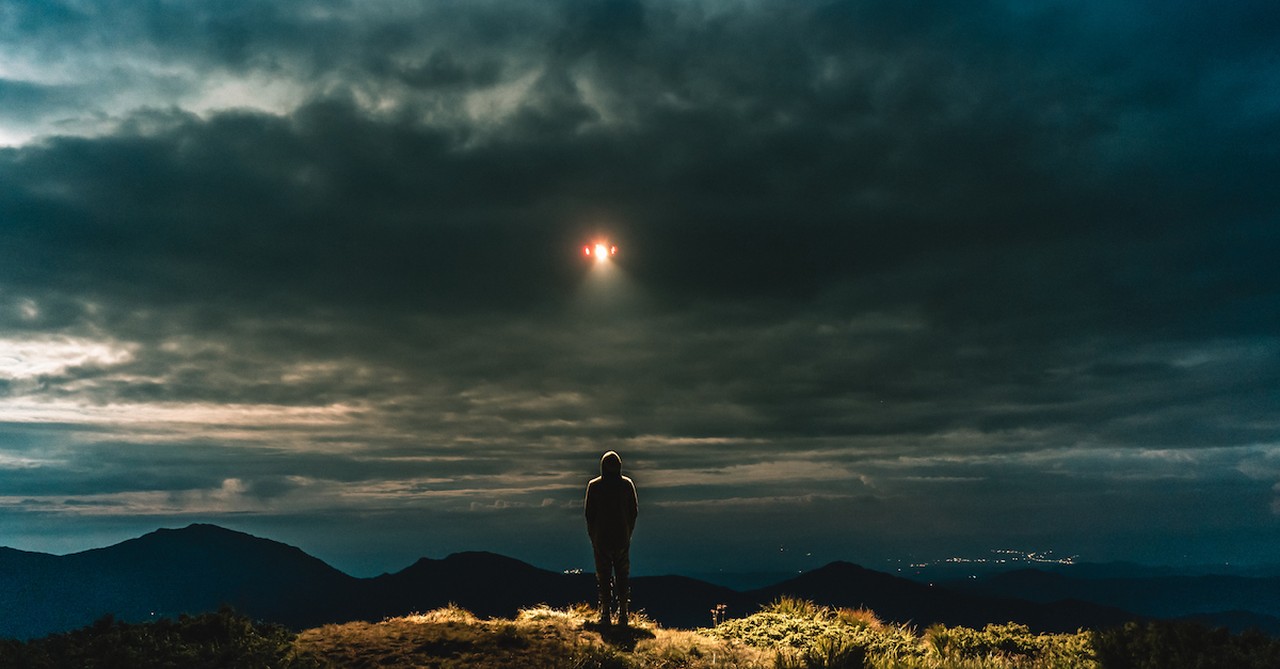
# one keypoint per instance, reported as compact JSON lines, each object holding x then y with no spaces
{"x":611,"y":509}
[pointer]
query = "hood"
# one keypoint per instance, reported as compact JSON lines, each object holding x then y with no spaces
{"x":610,"y":464}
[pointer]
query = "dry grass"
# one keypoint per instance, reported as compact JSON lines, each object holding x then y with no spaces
{"x":671,"y":649}
{"x":860,"y":618}
{"x":417,"y":641}
{"x":789,"y":634}
{"x":448,"y":614}
{"x":539,"y":637}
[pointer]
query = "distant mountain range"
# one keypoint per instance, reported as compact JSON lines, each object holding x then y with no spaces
{"x":1236,"y":602}
{"x":202,"y":567}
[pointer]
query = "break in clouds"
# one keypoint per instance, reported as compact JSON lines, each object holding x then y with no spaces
{"x":893,"y":277}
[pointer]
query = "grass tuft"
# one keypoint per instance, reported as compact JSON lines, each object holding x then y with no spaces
{"x":859,"y":618}
{"x":452,"y":613}
{"x":575,"y":615}
{"x":798,"y":608}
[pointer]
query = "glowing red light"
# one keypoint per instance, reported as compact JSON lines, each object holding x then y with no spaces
{"x":601,"y":251}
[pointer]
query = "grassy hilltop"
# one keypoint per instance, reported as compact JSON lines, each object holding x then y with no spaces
{"x":788,"y":634}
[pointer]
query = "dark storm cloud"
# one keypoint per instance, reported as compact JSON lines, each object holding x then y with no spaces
{"x":762,"y":154}
{"x":24,"y":101}
{"x":874,"y":255}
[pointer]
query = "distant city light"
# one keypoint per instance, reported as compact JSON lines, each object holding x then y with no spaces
{"x":1002,"y":556}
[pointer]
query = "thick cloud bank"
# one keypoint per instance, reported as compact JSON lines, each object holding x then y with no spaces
{"x":894,"y":277}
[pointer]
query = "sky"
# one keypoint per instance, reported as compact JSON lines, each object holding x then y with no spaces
{"x":894,"y":279}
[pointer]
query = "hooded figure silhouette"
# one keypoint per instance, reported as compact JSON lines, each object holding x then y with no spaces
{"x":611,"y":510}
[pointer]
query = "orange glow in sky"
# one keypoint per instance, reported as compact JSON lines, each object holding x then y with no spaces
{"x":600,"y":250}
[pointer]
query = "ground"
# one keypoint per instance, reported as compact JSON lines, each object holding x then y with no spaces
{"x":789,"y":634}
{"x":538,"y":637}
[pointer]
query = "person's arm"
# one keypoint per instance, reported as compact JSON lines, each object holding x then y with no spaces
{"x":633,"y":508}
{"x":589,"y":510}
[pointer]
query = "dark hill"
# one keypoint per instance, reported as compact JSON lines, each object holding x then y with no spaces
{"x":494,"y":585}
{"x":168,"y":572}
{"x":201,"y":567}
{"x":901,"y":600}
{"x":485,"y":583}
{"x":1237,"y":602}
{"x":679,"y":601}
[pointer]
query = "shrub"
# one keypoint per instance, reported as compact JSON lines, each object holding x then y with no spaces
{"x":1175,"y":645}
{"x":959,"y":642}
{"x":1010,"y":641}
{"x":860,"y":618}
{"x":451,"y":613}
{"x":805,"y":632}
{"x":208,"y":641}
{"x":798,"y":608}
{"x":806,"y":636}
{"x":574,"y":615}
{"x":828,"y":653}
{"x":596,"y":656}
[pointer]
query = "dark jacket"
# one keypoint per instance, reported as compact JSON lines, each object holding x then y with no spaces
{"x":611,"y":505}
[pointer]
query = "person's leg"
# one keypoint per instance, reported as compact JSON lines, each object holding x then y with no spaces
{"x":622,"y":584}
{"x":604,"y":582}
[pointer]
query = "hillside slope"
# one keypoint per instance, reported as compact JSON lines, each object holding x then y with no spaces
{"x":202,"y":567}
{"x":789,"y":634}
{"x":169,"y":572}
{"x":1173,"y":595}
{"x":847,"y":585}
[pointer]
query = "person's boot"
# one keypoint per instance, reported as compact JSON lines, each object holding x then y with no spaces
{"x":606,"y":603}
{"x":624,"y":601}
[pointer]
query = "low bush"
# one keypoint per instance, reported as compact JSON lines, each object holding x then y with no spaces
{"x":1179,"y":645}
{"x":827,"y":653}
{"x":209,"y":641}
{"x":804,"y":632}
{"x":1012,"y":642}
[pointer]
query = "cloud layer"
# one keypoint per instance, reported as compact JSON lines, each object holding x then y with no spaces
{"x":958,"y":278}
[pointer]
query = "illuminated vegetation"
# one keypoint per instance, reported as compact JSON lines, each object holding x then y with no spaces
{"x":788,"y":634}
{"x":807,"y":636}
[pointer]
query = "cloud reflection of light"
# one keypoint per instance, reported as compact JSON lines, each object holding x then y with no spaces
{"x":30,"y":358}
{"x":18,"y":410}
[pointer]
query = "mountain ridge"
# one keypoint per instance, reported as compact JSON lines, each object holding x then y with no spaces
{"x":202,"y":567}
{"x":1230,"y":600}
